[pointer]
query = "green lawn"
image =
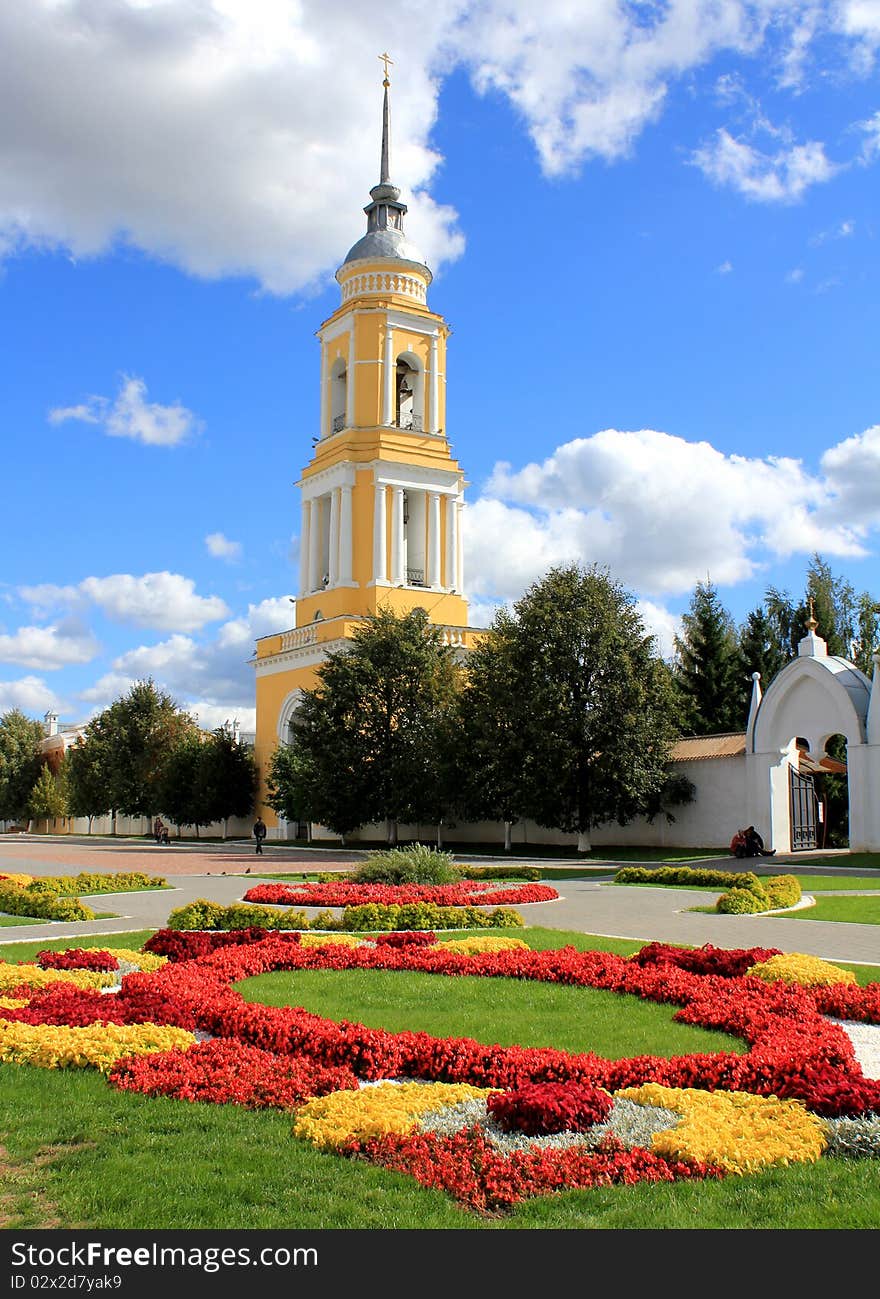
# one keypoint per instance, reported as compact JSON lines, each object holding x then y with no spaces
{"x":79,"y":1155}
{"x":830,"y":883}
{"x":19,"y":920}
{"x":858,"y":911}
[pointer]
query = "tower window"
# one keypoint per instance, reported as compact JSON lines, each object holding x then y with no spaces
{"x":410,"y":394}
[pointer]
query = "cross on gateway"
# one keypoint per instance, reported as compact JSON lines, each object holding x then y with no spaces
{"x":386,"y":59}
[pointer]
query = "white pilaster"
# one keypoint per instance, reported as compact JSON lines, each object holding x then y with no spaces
{"x":333,"y":563}
{"x":433,"y":424}
{"x":434,"y":576}
{"x":451,"y":542}
{"x":459,"y":556}
{"x":322,"y":431}
{"x":390,"y":369}
{"x":398,"y":545}
{"x":315,"y":544}
{"x":380,"y":566}
{"x":345,"y":535}
{"x":349,"y":385}
{"x":304,"y":533}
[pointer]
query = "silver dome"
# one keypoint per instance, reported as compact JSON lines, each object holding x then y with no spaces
{"x":382,"y":245}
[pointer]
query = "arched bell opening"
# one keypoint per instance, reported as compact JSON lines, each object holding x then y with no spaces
{"x":410,"y":393}
{"x":338,"y":395}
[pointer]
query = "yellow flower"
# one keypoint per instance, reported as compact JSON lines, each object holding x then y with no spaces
{"x":388,"y":1108}
{"x":31,"y":976}
{"x":489,"y":943}
{"x":144,"y":961}
{"x":323,"y":940}
{"x":21,"y":880}
{"x":99,"y":1046}
{"x":740,"y":1132}
{"x":13,"y":1003}
{"x":797,"y":967}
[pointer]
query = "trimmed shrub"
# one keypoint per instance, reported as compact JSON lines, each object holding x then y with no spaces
{"x":425,"y":915}
{"x":782,"y":890}
{"x":202,"y":914}
{"x":742,"y":902}
{"x":41,"y":904}
{"x":500,"y":873}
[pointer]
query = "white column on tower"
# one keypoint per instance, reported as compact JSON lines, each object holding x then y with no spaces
{"x":322,"y":431}
{"x":459,"y":557}
{"x":345,"y":536}
{"x":333,"y":565}
{"x":390,"y":368}
{"x":349,"y":386}
{"x":398,"y":545}
{"x":451,"y":541}
{"x":434,"y":575}
{"x":314,"y":544}
{"x":380,"y":567}
{"x":304,"y":548}
{"x":434,"y":424}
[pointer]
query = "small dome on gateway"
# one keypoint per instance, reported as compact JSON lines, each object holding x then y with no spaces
{"x":385,"y":239}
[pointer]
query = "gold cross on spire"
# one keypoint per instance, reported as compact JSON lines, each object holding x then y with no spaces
{"x":811,"y":621}
{"x":386,"y":59}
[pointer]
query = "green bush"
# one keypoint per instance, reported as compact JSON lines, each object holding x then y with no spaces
{"x":417,"y":864}
{"x":782,"y":890}
{"x":694,"y":876}
{"x":427,"y":915}
{"x":742,"y":902}
{"x":499,"y":872}
{"x":202,"y":914}
{"x":41,"y":904}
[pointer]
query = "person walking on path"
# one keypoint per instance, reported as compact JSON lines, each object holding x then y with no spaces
{"x":259,"y":834}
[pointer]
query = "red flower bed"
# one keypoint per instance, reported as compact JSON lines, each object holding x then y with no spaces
{"x":727,"y":962}
{"x":540,"y":1108}
{"x":77,"y":958}
{"x":230,"y":1073}
{"x":408,"y":938}
{"x":470,"y":1169}
{"x":345,"y":893}
{"x":189,"y":945}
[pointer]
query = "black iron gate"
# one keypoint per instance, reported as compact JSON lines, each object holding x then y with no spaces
{"x":804,"y":815}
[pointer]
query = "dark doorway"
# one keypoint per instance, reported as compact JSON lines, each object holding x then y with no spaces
{"x":804,"y":815}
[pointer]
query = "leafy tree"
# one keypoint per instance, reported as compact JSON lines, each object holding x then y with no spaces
{"x":365,"y":740}
{"x":227,"y":778}
{"x":867,"y":637}
{"x":177,"y":791}
{"x":707,"y":666}
{"x":137,"y":734}
{"x":834,"y":607}
{"x":89,"y":776}
{"x":47,"y":798}
{"x":20,"y":762}
{"x":594,"y":707}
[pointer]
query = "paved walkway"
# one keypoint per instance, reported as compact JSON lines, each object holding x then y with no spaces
{"x":585,"y":906}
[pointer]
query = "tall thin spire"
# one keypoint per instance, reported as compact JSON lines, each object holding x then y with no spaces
{"x":385,"y":166}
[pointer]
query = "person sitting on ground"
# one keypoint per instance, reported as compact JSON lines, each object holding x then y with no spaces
{"x":738,"y":844}
{"x":755,"y":844}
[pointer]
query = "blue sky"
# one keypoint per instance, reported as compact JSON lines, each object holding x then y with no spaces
{"x":654,"y":230}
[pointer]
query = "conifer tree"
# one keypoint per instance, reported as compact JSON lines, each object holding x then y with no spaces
{"x":708,"y":666}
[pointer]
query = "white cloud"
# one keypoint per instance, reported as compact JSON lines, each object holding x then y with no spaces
{"x":871,"y":143}
{"x":30,"y":694}
{"x":165,"y":601}
{"x":232,"y":139}
{"x":130,"y":415}
{"x":662,"y":624}
{"x":222,"y":548}
{"x":782,"y":177}
{"x":212,"y":716}
{"x":843,"y":230}
{"x":795,"y":275}
{"x":725,"y":268}
{"x":48,"y":647}
{"x":216,"y":672}
{"x":616,"y":498}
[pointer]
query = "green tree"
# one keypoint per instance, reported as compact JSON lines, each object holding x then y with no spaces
{"x":867,"y":637}
{"x":707,"y":667}
{"x":834,"y":607}
{"x":178,"y":791}
{"x":47,"y":799}
{"x":227,"y":777}
{"x":137,"y":733}
{"x":595,"y":712}
{"x":20,"y":762}
{"x":89,"y":777}
{"x":760,"y":650}
{"x":365,"y":740}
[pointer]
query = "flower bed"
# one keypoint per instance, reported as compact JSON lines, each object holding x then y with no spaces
{"x":344,"y":893}
{"x":506,"y":1122}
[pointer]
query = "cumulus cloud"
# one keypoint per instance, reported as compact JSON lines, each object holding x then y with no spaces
{"x":30,"y":694}
{"x":871,"y":142}
{"x":724,"y":268}
{"x":130,"y":415}
{"x":615,"y":499}
{"x":164,"y":601}
{"x":222,"y":548}
{"x":215,"y":672}
{"x":231,"y":139}
{"x":781,"y":177}
{"x":48,"y":647}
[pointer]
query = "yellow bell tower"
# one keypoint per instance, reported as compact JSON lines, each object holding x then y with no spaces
{"x":382,"y":496}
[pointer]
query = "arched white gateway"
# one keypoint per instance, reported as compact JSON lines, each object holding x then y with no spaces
{"x":815,"y":696}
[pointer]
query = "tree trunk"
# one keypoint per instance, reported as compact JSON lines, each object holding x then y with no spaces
{"x":391,"y":831}
{"x":91,"y":818}
{"x":583,"y":841}
{"x":308,"y":832}
{"x":113,"y":822}
{"x":225,"y":828}
{"x":439,"y":836}
{"x":507,"y":840}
